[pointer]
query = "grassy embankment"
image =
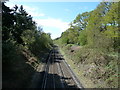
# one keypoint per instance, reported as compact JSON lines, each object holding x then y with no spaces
{"x":95,"y":69}
{"x":20,"y":66}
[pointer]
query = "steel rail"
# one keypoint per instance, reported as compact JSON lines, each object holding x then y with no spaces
{"x":46,"y":72}
{"x":53,"y":73}
{"x":60,"y":72}
{"x":74,"y":77}
{"x":63,"y":74}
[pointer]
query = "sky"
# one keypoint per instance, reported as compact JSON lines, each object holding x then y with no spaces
{"x":53,"y":17}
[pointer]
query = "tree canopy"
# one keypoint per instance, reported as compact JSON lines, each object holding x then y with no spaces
{"x":97,"y":28}
{"x":19,"y":29}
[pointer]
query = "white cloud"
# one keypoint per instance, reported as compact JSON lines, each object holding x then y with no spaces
{"x":54,"y":32}
{"x":9,"y":4}
{"x":52,"y":22}
{"x":31,"y":11}
{"x":53,"y":26}
{"x":67,"y":10}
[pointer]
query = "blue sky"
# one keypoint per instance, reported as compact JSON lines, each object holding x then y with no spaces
{"x":54,"y":17}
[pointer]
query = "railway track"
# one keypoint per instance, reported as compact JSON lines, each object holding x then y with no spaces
{"x":58,"y":74}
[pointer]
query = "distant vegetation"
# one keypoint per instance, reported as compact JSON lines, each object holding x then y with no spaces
{"x":92,"y":43}
{"x":23,"y":44}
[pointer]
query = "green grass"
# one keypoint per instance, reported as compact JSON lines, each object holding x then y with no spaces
{"x":85,"y":82}
{"x":94,"y":69}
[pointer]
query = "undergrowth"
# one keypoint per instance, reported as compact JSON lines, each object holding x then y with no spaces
{"x":99,"y":67}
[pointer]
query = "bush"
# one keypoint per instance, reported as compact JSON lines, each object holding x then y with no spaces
{"x":9,"y":53}
{"x":82,"y":38}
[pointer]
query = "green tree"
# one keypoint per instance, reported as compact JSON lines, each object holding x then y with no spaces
{"x":82,"y":39}
{"x":7,"y":22}
{"x":81,"y":20}
{"x":112,"y":20}
{"x":22,"y":22}
{"x":96,"y":26}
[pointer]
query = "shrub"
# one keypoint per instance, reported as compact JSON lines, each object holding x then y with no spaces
{"x":9,"y":53}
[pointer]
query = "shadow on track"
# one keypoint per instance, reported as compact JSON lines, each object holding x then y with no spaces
{"x":37,"y":82}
